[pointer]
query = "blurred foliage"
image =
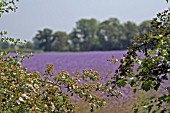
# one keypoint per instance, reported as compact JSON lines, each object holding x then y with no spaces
{"x":90,"y":35}
{"x":110,"y":33}
{"x":7,"y":6}
{"x":43,"y":40}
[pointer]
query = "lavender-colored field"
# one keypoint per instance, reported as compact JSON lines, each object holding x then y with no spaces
{"x":73,"y":61}
{"x":77,"y":61}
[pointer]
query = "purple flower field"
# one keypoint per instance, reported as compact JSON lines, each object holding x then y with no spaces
{"x":73,"y":61}
{"x":97,"y":61}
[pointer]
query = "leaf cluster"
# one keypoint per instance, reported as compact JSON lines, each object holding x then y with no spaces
{"x":146,"y":66}
{"x":7,"y":5}
{"x":22,"y":91}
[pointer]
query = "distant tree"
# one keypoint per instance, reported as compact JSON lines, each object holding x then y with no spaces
{"x":144,"y":28}
{"x":4,"y":45}
{"x":60,"y":42}
{"x":43,"y":39}
{"x":130,"y":30}
{"x":109,"y":34}
{"x":75,"y":40}
{"x":90,"y":35}
{"x":36,"y":44}
{"x":84,"y":34}
{"x":11,"y":46}
{"x":29,"y":45}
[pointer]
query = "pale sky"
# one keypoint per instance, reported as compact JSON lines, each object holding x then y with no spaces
{"x":61,"y":15}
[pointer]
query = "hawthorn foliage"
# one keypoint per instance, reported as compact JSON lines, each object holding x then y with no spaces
{"x":22,"y":91}
{"x":146,"y":65}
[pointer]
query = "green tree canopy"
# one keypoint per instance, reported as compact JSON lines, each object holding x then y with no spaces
{"x":84,"y":33}
{"x":130,"y":30}
{"x":4,"y":45}
{"x":144,"y":27}
{"x":109,"y":33}
{"x":43,"y":39}
{"x":61,"y":41}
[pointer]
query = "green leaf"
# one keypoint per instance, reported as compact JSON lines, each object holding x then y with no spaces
{"x":146,"y":86}
{"x":151,"y":52}
{"x":121,"y":83}
{"x":18,"y":39}
{"x":136,"y":110}
{"x":149,"y":108}
{"x":134,"y":90}
{"x":124,"y":63}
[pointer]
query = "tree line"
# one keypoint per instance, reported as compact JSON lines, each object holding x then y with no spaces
{"x":88,"y":35}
